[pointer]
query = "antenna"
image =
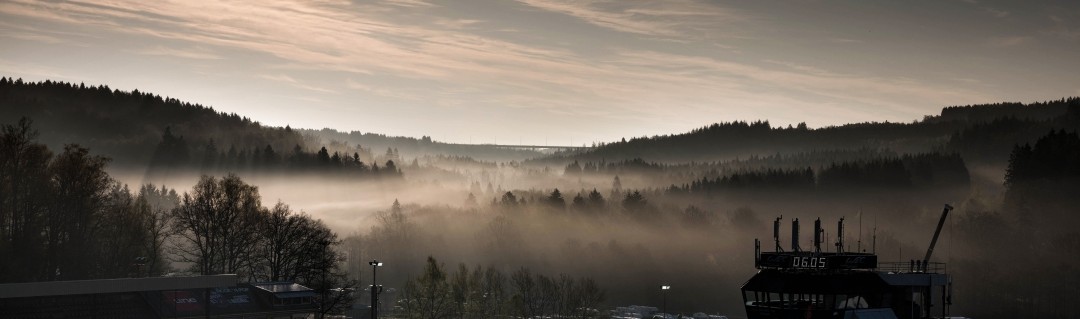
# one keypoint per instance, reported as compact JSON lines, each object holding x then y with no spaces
{"x":840,"y":235}
{"x":874,"y":247}
{"x":817,"y":235}
{"x":757,"y":252}
{"x":795,"y":235}
{"x":858,"y":246}
{"x":776,"y":233}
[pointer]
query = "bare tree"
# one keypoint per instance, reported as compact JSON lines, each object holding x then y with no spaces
{"x":286,"y":243}
{"x":526,"y":293}
{"x":217,"y":224}
{"x":80,"y":184}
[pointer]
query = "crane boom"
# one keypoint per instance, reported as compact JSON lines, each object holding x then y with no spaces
{"x":933,"y":242}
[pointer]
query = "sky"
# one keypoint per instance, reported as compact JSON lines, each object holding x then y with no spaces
{"x":553,"y":72}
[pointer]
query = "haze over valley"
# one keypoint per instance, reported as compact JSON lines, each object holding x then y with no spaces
{"x":536,"y":158}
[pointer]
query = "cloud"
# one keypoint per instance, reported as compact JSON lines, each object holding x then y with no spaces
{"x":390,"y":92}
{"x":410,"y":3}
{"x":665,"y":19}
{"x":195,"y":53}
{"x":291,"y":81}
{"x":414,"y":57}
{"x":457,"y":23}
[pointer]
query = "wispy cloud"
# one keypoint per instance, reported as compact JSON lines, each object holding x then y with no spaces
{"x":293,"y":82}
{"x":666,"y":19}
{"x":413,"y":57}
{"x":196,"y":53}
{"x":410,"y":3}
{"x":889,"y":95}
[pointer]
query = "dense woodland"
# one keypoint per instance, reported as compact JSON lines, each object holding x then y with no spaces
{"x":981,"y":133}
{"x":128,"y":126}
{"x":64,"y":218}
{"x":598,"y":228}
{"x":411,"y":147}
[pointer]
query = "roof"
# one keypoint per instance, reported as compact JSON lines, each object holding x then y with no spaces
{"x":285,"y":289}
{"x":104,"y":286}
{"x":880,"y":313}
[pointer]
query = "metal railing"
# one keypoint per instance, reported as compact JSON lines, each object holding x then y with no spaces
{"x":914,"y":266}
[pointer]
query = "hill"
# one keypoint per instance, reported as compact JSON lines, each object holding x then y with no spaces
{"x":128,"y":127}
{"x":981,"y":133}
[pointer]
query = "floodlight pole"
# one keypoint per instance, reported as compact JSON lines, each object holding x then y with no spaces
{"x":375,"y":289}
{"x":665,"y":289}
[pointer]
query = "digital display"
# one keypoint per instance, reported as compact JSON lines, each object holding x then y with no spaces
{"x":807,"y":260}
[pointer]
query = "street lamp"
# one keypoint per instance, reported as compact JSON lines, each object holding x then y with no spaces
{"x":664,"y":289}
{"x":375,"y":289}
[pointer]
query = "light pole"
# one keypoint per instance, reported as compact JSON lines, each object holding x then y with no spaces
{"x":323,"y":265}
{"x":375,"y":289}
{"x":664,"y":289}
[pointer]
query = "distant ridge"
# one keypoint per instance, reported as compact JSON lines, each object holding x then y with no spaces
{"x":128,"y":126}
{"x":957,"y":129}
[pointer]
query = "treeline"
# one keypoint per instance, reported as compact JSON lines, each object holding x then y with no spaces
{"x":1043,"y":179}
{"x":173,"y":152}
{"x":959,"y":128}
{"x":738,"y":139}
{"x":63,"y":217}
{"x":126,"y":126}
{"x":1036,"y":227}
{"x":418,"y":147}
{"x":489,"y":293}
{"x":925,"y":170}
{"x":992,"y":140}
{"x":636,"y":165}
{"x":221,"y":227}
{"x":1045,"y":110}
{"x":545,"y":232}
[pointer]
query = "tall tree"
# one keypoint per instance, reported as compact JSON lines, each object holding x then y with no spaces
{"x":81,"y":186}
{"x":24,"y":190}
{"x":428,"y":296}
{"x":217,"y":224}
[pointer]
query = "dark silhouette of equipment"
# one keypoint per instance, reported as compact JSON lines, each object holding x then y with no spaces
{"x":933,"y":242}
{"x":795,"y":235}
{"x":843,"y":284}
{"x":776,"y":232}
{"x":817,"y":235}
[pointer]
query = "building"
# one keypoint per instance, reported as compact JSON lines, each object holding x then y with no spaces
{"x":217,"y":296}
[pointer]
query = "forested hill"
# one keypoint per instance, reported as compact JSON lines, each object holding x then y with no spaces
{"x":411,"y":147}
{"x":129,"y":127}
{"x":981,"y":133}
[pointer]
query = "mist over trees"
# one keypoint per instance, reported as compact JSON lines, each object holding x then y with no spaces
{"x":62,"y":217}
{"x":618,"y":220}
{"x":418,"y":147}
{"x":975,"y":131}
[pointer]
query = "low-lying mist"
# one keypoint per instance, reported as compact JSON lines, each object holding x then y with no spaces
{"x":506,"y":216}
